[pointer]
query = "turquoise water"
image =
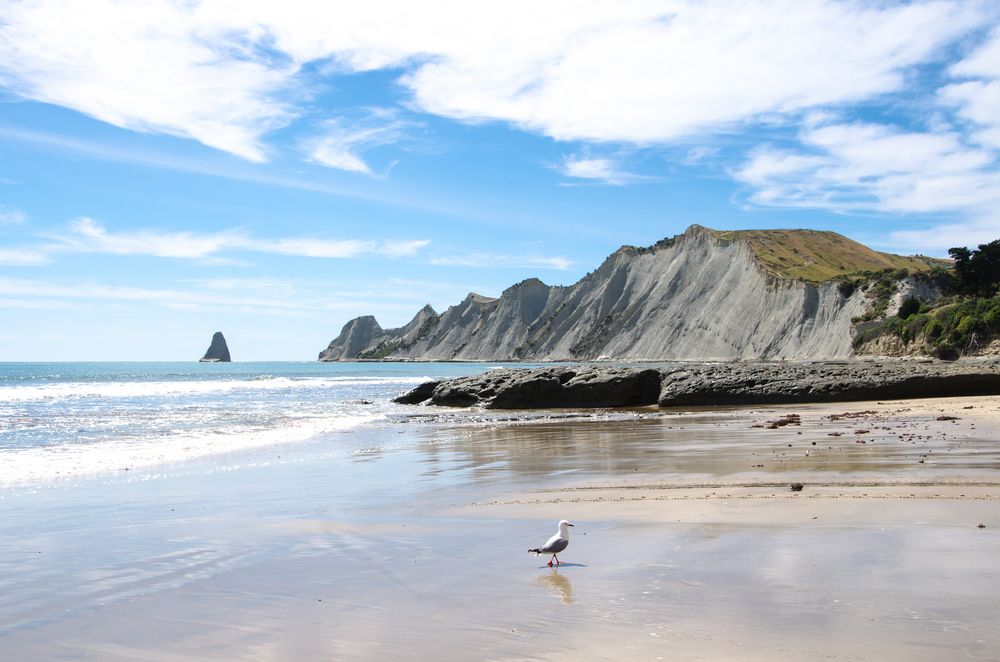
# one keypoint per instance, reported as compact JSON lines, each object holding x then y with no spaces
{"x":65,"y":419}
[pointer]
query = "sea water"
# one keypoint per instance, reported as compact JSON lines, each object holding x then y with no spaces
{"x":60,"y":420}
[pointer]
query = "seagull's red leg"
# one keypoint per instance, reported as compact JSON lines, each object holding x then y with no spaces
{"x":550,"y":563}
{"x":556,"y":558}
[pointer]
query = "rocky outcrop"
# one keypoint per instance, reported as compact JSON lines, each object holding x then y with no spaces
{"x":702,"y":295}
{"x":709,"y":384}
{"x":787,"y":383}
{"x":363,"y":338}
{"x":218,"y":351}
{"x":514,"y":388}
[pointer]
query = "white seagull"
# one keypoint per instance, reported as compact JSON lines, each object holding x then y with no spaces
{"x":556,"y":543}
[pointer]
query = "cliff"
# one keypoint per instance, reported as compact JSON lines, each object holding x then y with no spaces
{"x":702,"y":295}
{"x":218,"y":351}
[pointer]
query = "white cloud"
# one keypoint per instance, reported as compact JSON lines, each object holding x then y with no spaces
{"x":226,"y":72}
{"x":268,"y":298}
{"x":86,"y":235}
{"x":250,"y":299}
{"x":269,"y":285}
{"x":700,"y":154}
{"x":874,"y":167}
{"x":35,"y":304}
{"x":947,"y":235}
{"x":202,"y":166}
{"x":403,"y":248}
{"x":89,"y":236}
{"x":344,"y":139}
{"x":495,"y":261}
{"x":23,"y":257}
{"x":977,"y":97}
{"x":149,"y":66}
{"x":646,"y":72}
{"x":599,"y":169}
{"x":322,"y":248}
{"x":869,"y":167}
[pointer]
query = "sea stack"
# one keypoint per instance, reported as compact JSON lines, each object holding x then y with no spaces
{"x":218,"y":351}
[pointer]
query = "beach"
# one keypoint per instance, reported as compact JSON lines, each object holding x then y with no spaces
{"x":408,"y":540}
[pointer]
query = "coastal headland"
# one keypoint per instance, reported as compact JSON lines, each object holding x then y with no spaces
{"x":703,"y":295}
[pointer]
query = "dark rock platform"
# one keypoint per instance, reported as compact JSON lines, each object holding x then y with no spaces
{"x":707,"y":384}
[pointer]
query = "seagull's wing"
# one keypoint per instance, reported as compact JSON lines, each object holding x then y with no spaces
{"x":554,"y":545}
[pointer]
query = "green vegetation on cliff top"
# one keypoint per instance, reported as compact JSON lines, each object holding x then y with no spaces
{"x":963,"y":323}
{"x":816,"y":256}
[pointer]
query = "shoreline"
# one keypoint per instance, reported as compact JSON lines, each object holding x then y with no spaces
{"x":683,"y":549}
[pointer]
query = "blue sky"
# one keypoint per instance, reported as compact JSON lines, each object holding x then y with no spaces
{"x":271,"y":170}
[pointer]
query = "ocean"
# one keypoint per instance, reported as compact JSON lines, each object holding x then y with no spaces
{"x":60,"y":420}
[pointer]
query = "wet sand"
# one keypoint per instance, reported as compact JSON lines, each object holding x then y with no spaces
{"x":410,"y":543}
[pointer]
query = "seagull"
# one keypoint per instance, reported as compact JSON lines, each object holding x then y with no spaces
{"x":556,"y":543}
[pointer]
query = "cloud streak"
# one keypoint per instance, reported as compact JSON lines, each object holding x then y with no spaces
{"x":603,"y":170}
{"x":500,"y":261}
{"x":11,"y":216}
{"x":343,"y":140}
{"x":86,"y":235}
{"x":268,"y":297}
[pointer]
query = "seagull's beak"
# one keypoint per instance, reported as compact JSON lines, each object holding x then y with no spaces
{"x":569,"y":525}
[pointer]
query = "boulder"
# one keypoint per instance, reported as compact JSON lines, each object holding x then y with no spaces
{"x":417,"y":395}
{"x":552,"y":387}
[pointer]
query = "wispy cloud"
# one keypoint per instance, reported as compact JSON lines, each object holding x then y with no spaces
{"x":233,"y":171}
{"x":934,"y":237}
{"x":268,"y":297}
{"x":343,"y":140}
{"x":604,"y":170}
{"x":11,"y":216}
{"x":86,"y":235}
{"x":21,"y":257}
{"x":700,"y":154}
{"x":152,"y":159}
{"x":499,"y":261}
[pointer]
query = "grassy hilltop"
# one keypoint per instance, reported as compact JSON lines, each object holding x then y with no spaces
{"x":816,"y":256}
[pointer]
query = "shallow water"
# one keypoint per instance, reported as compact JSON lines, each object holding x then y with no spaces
{"x":71,"y":419}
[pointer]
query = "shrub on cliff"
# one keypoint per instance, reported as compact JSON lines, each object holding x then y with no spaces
{"x":955,"y":328}
{"x":909,"y":307}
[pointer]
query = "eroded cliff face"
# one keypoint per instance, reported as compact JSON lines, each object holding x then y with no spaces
{"x":697,"y":297}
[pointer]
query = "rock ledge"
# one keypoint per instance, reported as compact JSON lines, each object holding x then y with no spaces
{"x":585,"y":386}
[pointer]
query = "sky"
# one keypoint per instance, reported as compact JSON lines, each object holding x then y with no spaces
{"x":271,"y":170}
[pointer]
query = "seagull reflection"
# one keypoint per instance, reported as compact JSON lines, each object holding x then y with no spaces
{"x":559,"y":584}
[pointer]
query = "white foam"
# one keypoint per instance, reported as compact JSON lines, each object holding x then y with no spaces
{"x":32,"y":465}
{"x":63,"y":391}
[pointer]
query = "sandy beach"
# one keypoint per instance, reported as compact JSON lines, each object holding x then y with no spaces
{"x":688,"y":544}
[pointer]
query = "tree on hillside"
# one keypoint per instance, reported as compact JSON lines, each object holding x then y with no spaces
{"x":978,"y":271}
{"x":910,"y":306}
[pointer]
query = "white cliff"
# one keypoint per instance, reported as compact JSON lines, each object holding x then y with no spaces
{"x":702,"y":295}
